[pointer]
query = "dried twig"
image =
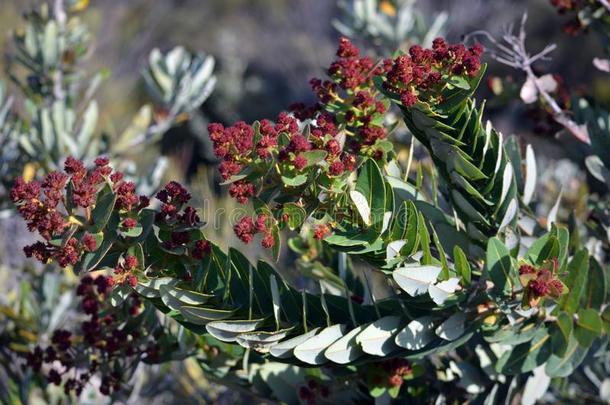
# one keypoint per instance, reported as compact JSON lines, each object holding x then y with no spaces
{"x":512,"y":52}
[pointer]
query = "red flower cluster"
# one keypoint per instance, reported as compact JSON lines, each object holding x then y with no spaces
{"x":201,"y":249}
{"x":41,"y":211}
{"x":179,"y":218}
{"x":351,"y":87}
{"x":123,"y":273}
{"x":313,"y":391}
{"x":420,"y":75}
{"x":50,"y":209}
{"x":104,"y":345}
{"x":390,"y":373}
{"x":540,"y":282}
{"x":246,"y":228}
{"x":321,"y":231}
{"x":347,"y":122}
{"x":351,"y":71}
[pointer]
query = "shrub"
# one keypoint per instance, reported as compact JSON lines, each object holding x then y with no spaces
{"x":476,"y":297}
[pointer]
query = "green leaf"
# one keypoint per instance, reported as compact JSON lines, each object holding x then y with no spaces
{"x":186,"y":297}
{"x":576,"y":282}
{"x":351,"y":238}
{"x":404,"y":227}
{"x":345,"y":350}
{"x":417,"y":334}
{"x":119,"y":294}
{"x":499,"y":266}
{"x":424,"y":237}
{"x":314,"y":157}
{"x":277,"y":242}
{"x":462,"y":266}
{"x":606,"y":319}
{"x":588,"y":327}
{"x":377,"y":391}
{"x":371,"y":186}
{"x":597,"y":284}
{"x":150,"y":288}
{"x":452,"y":328}
{"x":227,"y":331}
{"x":294,"y":214}
{"x":201,"y":316}
{"x":562,"y":366}
{"x":459,"y":82}
{"x":312,"y":350}
{"x":526,"y":356}
{"x":90,"y":261}
{"x":550,"y":250}
{"x":394,"y":391}
{"x":441,"y":254}
{"x":533,"y":253}
{"x":294,"y":181}
{"x":132,"y":232}
{"x":283,"y":350}
{"x":378,"y":338}
{"x":102,"y":211}
{"x":262,"y":341}
{"x":561,"y":333}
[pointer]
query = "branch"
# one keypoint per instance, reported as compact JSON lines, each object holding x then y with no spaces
{"x":578,"y":131}
{"x":512,"y":52}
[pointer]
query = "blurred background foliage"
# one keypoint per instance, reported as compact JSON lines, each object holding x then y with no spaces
{"x":265,"y":51}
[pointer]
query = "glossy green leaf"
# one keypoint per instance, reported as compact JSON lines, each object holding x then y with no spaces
{"x":378,"y":338}
{"x":576,"y":281}
{"x":295,"y":215}
{"x":462,"y":266}
{"x":499,"y":266}
{"x":594,"y":295}
{"x":102,"y":211}
{"x":346,"y":349}
{"x":285,"y":349}
{"x":201,"y":316}
{"x":588,"y":327}
{"x":312,"y":350}
{"x":526,"y":356}
{"x":228,"y":330}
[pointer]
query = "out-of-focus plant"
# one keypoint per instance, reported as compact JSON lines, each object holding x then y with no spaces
{"x":62,"y":116}
{"x":586,"y":15}
{"x":54,"y":116}
{"x":484,"y":300}
{"x":388,"y":25}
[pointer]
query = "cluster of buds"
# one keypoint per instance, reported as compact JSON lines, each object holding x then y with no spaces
{"x":60,"y":208}
{"x":178,"y":220}
{"x":324,"y":142}
{"x":419,"y":76}
{"x":349,"y":106}
{"x":540,"y":282}
{"x":124,"y":272}
{"x":313,"y":391}
{"x":390,"y":373}
{"x":575,"y":25}
{"x":103,"y":345}
{"x":247,"y":227}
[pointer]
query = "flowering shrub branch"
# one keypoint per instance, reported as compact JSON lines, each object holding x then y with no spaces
{"x":454,"y":277}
